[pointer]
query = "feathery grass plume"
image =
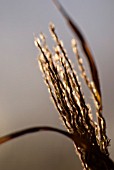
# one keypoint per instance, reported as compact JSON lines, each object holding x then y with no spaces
{"x":95,"y":85}
{"x":88,"y":136}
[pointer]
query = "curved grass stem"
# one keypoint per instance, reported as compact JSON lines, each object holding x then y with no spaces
{"x":31,"y":130}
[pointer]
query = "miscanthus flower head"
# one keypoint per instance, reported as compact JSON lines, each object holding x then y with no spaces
{"x":63,"y":84}
{"x":89,"y":137}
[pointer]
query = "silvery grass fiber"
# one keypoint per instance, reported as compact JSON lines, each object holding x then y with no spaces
{"x":89,"y":137}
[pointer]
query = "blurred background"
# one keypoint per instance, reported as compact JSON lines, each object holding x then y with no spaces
{"x":24,"y":98}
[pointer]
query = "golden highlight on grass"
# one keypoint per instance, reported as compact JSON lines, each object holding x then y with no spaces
{"x":63,"y":84}
{"x":89,"y":137}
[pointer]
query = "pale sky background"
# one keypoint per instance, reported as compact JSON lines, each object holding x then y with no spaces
{"x":24,"y":99}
